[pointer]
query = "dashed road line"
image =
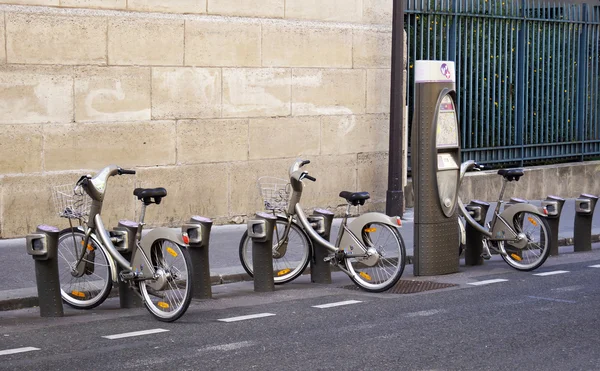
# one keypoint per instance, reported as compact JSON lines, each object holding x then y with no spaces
{"x":17,"y":350}
{"x":552,"y":299}
{"x":337,"y":304}
{"x":135,"y":333}
{"x":243,"y":318}
{"x":595,"y":266}
{"x":551,"y":273}
{"x":487,"y":282}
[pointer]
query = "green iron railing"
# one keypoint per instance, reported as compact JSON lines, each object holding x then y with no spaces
{"x":528,"y":81}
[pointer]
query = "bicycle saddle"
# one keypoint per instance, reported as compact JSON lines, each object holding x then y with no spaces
{"x":146,"y":194}
{"x":511,"y":174}
{"x":356,"y":198}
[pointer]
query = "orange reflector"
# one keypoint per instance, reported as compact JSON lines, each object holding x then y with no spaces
{"x":89,"y":246}
{"x":399,"y":221}
{"x":186,"y":240}
{"x":545,"y":211}
{"x":283,"y":271}
{"x":79,"y":294}
{"x":163,"y":305}
{"x":370,"y":230}
{"x":365,"y":276}
{"x":171,"y":251}
{"x":516,"y":257}
{"x":532,"y":221}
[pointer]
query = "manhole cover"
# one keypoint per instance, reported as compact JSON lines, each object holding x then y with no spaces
{"x":410,"y":287}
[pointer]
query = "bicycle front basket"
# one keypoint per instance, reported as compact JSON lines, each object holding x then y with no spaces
{"x":275,"y":192}
{"x":70,"y":202}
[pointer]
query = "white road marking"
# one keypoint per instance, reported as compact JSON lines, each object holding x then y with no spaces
{"x":339,"y":303}
{"x":135,"y":333}
{"x":425,"y":313}
{"x":228,"y":347}
{"x":481,"y":283}
{"x":243,"y":318}
{"x":550,"y":273}
{"x":552,"y":299}
{"x":17,"y":350}
{"x":595,"y":266}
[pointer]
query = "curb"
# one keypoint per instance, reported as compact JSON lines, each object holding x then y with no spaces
{"x":27,"y":298}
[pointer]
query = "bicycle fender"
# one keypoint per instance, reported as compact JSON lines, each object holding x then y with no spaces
{"x":138,"y":263}
{"x":348,"y":244}
{"x":501,"y":230}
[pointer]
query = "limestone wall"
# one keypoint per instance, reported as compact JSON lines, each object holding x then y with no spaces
{"x":199,"y":96}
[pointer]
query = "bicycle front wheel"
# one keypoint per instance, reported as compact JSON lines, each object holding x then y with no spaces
{"x":290,"y":255}
{"x":87,"y":284}
{"x":169,"y":295}
{"x":534,"y":254}
{"x":389,"y":267}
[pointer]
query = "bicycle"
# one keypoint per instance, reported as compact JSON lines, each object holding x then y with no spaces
{"x":520,"y":234}
{"x":160,"y":270}
{"x":370,"y":250}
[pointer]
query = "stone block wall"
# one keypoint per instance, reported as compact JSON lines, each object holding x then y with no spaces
{"x":199,"y":96}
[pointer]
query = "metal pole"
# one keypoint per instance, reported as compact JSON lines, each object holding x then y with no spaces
{"x":320,"y":271}
{"x":395,"y":192}
{"x":43,"y":247}
{"x":200,"y":259}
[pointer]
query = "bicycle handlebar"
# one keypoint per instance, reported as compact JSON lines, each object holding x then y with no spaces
{"x":304,"y":162}
{"x":125,"y":171}
{"x":310,"y":178}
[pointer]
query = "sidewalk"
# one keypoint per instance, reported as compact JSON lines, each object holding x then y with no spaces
{"x":18,"y":288}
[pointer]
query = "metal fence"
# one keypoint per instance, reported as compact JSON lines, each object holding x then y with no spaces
{"x":528,"y":75}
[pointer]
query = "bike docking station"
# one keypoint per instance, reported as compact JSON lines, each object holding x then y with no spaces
{"x":554,"y":206}
{"x":584,"y":211}
{"x":260,"y":230}
{"x":43,"y":247}
{"x":198,"y":232}
{"x":320,"y":270}
{"x":436,"y":169}
{"x":123,"y":237}
{"x":474,"y":248}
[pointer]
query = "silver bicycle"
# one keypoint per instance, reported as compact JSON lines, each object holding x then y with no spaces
{"x":520,"y":234}
{"x":160,"y":271}
{"x":369,"y":249}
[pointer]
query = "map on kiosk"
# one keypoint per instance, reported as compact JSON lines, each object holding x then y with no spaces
{"x":447,"y":125}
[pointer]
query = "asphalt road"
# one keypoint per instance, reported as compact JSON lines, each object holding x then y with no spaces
{"x":522,"y":321}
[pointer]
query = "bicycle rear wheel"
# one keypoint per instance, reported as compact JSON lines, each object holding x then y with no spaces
{"x":290,"y":257}
{"x":169,"y":295}
{"x":88,"y":289}
{"x":392,"y":255}
{"x":537,"y":250}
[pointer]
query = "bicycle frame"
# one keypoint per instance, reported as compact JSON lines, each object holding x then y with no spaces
{"x":94,"y":228}
{"x":348,"y":233}
{"x":498,"y":232}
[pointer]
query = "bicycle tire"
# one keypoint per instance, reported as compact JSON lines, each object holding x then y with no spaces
{"x":287,"y":267}
{"x":81,"y":292}
{"x":362,"y":275}
{"x":528,"y":223}
{"x":165,"y":298}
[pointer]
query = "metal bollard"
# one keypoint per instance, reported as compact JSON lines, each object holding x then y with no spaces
{"x":123,"y":237}
{"x":320,"y":271}
{"x":198,"y":231}
{"x":584,"y":211}
{"x":474,"y":248}
{"x":260,"y":230}
{"x":554,"y":206}
{"x":43,"y":247}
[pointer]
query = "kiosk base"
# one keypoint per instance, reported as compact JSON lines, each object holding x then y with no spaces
{"x":429,"y":259}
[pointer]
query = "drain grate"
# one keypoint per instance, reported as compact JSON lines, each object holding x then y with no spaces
{"x":410,"y":287}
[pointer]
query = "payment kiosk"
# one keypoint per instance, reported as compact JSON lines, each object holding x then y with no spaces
{"x":435,"y":168}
